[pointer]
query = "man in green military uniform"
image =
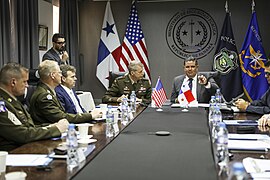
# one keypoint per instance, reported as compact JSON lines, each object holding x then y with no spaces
{"x":16,"y":125}
{"x":44,"y":105}
{"x":133,"y":81}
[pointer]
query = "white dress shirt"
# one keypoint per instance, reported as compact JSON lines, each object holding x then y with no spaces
{"x":73,"y":98}
{"x":194,"y":85}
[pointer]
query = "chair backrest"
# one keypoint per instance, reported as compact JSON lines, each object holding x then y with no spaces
{"x":114,"y":75}
{"x":32,"y":82}
{"x":33,"y":77}
{"x":25,"y":99}
{"x":86,"y":100}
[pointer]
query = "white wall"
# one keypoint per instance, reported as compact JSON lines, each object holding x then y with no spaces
{"x":46,"y":18}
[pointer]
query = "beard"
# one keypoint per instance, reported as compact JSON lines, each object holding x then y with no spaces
{"x":61,"y":49}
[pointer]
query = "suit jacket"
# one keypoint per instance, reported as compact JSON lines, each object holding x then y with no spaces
{"x":46,"y":108}
{"x":51,"y":54}
{"x":17,"y":127}
{"x":203,"y":94}
{"x":261,"y":106}
{"x":66,"y":101}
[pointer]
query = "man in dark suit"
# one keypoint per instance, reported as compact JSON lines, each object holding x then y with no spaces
{"x":44,"y":104}
{"x":201,"y":87}
{"x":65,"y":93}
{"x":58,"y":52}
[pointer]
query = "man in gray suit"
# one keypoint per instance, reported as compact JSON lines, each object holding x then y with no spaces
{"x":58,"y":52}
{"x":202,"y":88}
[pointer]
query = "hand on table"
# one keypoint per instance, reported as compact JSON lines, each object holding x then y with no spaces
{"x":241,"y":104}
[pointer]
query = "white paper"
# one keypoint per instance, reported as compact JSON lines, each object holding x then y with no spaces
{"x":248,"y":145}
{"x":248,"y":136}
{"x":116,"y":128}
{"x":258,"y":168}
{"x":81,"y":155}
{"x":28,"y":159}
{"x":203,"y":105}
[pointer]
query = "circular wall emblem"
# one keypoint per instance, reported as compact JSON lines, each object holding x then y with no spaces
{"x":191,"y":32}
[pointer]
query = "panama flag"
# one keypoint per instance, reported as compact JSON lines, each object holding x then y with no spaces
{"x":185,"y":96}
{"x":109,"y":49}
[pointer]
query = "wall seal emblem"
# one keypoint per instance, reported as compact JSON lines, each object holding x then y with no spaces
{"x":191,"y":32}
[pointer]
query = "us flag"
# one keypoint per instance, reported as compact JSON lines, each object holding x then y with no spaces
{"x":159,"y":94}
{"x":133,"y":46}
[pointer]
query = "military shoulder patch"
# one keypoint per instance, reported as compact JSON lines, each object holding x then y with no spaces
{"x":49,"y":97}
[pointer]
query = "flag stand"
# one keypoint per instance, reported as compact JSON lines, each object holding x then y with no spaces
{"x":159,"y":109}
{"x":185,"y":108}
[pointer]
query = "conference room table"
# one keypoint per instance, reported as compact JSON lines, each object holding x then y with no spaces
{"x":138,"y":153}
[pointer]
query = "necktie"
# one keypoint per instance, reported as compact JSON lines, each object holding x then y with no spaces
{"x":77,"y":106}
{"x":190,"y":83}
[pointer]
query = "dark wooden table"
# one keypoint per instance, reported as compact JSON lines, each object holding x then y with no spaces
{"x":59,"y":170}
{"x":238,"y":156}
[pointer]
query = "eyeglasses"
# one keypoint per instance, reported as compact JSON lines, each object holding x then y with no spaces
{"x":64,"y":42}
{"x":267,"y":73}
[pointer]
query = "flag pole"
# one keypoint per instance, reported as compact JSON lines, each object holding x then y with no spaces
{"x":253,"y":6}
{"x":226,"y":7}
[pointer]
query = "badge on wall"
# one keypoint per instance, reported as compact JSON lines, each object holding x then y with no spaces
{"x":191,"y":32}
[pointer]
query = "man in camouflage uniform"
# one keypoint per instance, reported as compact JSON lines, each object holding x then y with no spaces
{"x":133,"y":81}
{"x":44,"y":105}
{"x":16,"y":125}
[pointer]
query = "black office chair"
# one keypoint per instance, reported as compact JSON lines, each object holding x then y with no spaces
{"x":33,"y":77}
{"x":114,"y":75}
{"x":32,"y":85}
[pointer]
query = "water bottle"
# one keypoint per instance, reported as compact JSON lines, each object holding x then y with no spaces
{"x":218,"y":96}
{"x":217,"y":118}
{"x":124,"y":111}
{"x":133,"y":101}
{"x":222,"y":152}
{"x":238,"y":172}
{"x":72,"y":146}
{"x":212,"y":104}
{"x":109,"y":122}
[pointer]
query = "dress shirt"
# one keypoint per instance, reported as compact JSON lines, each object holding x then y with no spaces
{"x":194,"y":85}
{"x":73,"y":98}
